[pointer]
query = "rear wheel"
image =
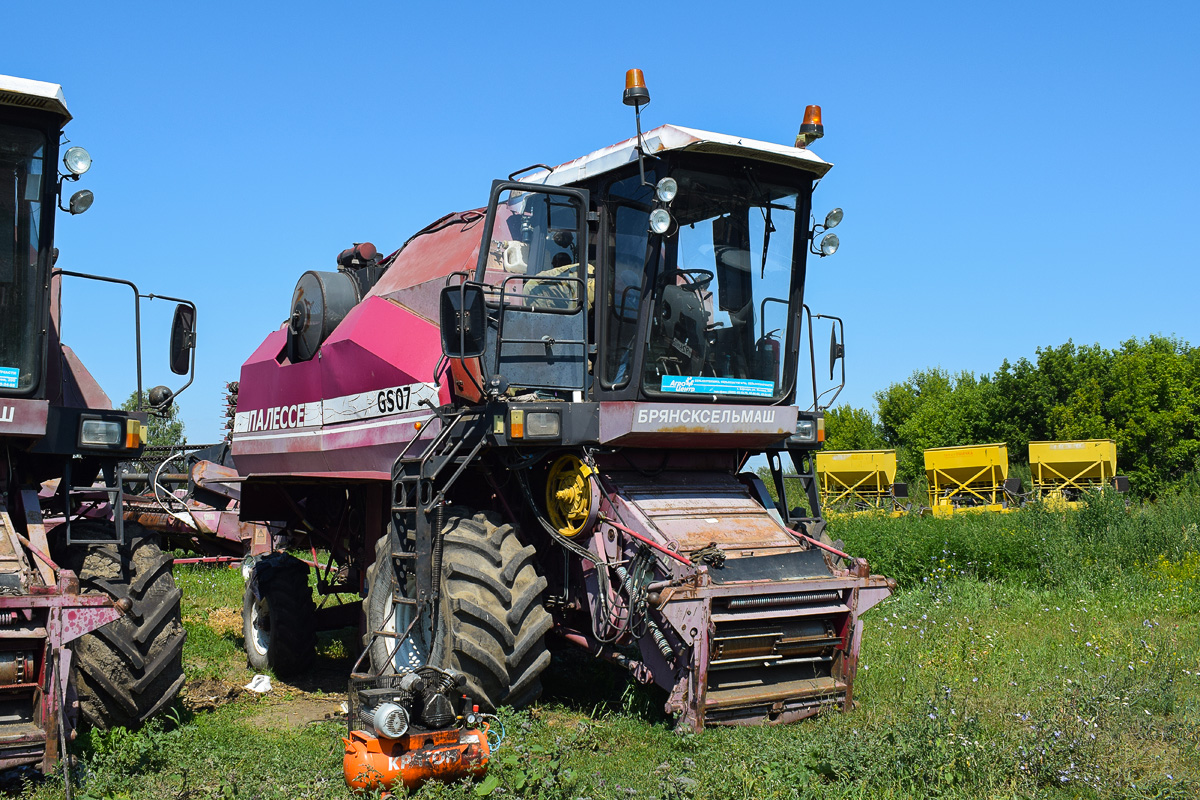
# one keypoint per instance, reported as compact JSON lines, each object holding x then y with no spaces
{"x":279,"y":622}
{"x":132,"y":668}
{"x":491,"y":623}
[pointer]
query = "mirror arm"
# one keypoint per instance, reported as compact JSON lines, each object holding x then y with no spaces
{"x":812,"y":353}
{"x":137,"y":316}
{"x":62,"y":178}
{"x":837,"y":390}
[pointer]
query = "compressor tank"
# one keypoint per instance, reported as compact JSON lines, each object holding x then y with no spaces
{"x":447,"y":756}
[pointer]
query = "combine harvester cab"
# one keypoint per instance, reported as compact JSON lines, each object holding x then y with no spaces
{"x":860,"y":482}
{"x":535,"y":418}
{"x":970,"y":478}
{"x":1064,"y":471}
{"x":89,"y":611}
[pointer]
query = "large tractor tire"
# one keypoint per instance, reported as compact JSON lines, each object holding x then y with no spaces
{"x":132,"y":668}
{"x":491,"y":625}
{"x":278,"y":616}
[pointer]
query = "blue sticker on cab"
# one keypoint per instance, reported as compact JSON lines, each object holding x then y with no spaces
{"x":10,"y":377}
{"x":692,"y":384}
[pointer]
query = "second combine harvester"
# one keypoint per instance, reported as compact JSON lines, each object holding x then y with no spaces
{"x":535,"y":418}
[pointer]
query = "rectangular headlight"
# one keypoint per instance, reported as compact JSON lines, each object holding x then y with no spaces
{"x":543,"y":424}
{"x":100,"y":433}
{"x":806,"y":430}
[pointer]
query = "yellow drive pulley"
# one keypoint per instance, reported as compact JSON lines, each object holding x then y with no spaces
{"x":572,"y":498}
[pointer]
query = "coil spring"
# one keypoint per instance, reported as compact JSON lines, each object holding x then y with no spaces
{"x":656,"y":633}
{"x":8,"y":617}
{"x":663,"y":645}
{"x":782,"y":599}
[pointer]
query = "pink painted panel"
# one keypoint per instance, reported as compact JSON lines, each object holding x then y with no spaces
{"x":379,"y":345}
{"x":266,"y":383}
{"x":77,"y":622}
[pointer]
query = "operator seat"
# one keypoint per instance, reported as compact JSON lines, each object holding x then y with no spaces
{"x":683,"y":322}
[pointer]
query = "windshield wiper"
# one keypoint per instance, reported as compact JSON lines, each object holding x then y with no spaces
{"x":763,"y":201}
{"x":768,"y":229}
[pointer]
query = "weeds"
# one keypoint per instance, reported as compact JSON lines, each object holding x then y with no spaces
{"x":1037,"y":654}
{"x":1039,"y":547}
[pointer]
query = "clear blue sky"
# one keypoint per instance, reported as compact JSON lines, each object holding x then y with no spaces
{"x":1014,"y":175}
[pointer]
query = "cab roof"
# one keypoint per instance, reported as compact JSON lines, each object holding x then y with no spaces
{"x":676,"y":138}
{"x":25,"y":93}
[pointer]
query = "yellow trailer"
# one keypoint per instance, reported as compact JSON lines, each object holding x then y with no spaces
{"x":971,"y":477}
{"x":859,"y":481}
{"x":1063,"y":471}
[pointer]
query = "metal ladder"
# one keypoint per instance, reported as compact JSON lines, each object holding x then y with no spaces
{"x":419,"y":487}
{"x":113,"y":487}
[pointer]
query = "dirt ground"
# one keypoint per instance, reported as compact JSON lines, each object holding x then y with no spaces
{"x":317,"y":696}
{"x":285,"y":706}
{"x":209,"y":694}
{"x":296,"y":710}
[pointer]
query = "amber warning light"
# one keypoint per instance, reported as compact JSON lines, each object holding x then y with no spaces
{"x":636,"y":93}
{"x":811,"y":129}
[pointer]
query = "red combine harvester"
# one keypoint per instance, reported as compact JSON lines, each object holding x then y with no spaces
{"x":89,"y":611}
{"x":535,"y":419}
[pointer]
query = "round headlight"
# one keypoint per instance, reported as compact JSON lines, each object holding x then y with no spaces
{"x":660,"y":220}
{"x":81,"y":201}
{"x":833,"y":218}
{"x":666,"y":190}
{"x":77,"y":160}
{"x":829,"y":244}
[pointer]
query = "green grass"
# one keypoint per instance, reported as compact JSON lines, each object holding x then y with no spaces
{"x":1034,"y":654}
{"x":212,"y":613}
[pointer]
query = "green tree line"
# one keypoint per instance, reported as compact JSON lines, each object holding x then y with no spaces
{"x":1145,"y":395}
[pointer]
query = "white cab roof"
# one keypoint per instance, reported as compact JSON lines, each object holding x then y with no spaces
{"x":34,"y":94}
{"x":674,"y":137}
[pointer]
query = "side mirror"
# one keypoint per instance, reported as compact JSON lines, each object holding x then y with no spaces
{"x":463,"y":320}
{"x":836,"y":349}
{"x":183,"y":338}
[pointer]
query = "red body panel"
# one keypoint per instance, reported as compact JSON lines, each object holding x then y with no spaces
{"x":287,"y":419}
{"x":454,"y":248}
{"x":23,"y":417}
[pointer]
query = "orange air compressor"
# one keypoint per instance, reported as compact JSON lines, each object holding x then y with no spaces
{"x":405,"y":730}
{"x":413,"y":759}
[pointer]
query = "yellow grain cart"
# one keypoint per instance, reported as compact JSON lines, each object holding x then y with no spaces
{"x":968,"y":478}
{"x":859,"y":481}
{"x":1063,"y":471}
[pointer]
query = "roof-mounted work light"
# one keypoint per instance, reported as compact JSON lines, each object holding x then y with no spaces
{"x":77,"y":160}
